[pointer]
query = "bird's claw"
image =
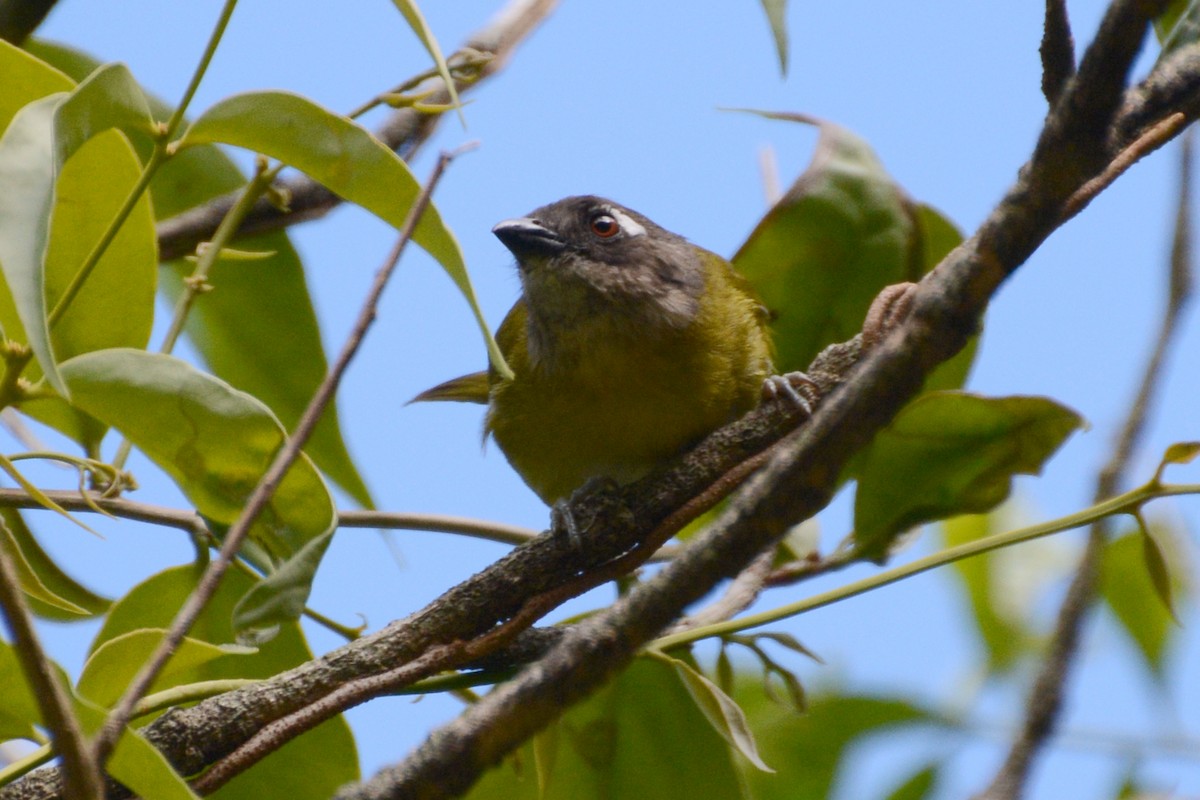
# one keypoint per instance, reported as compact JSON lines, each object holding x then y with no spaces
{"x":799,"y":390}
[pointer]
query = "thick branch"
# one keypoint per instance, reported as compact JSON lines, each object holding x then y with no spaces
{"x":20,"y":18}
{"x":404,"y":131}
{"x":197,"y":737}
{"x":801,"y":476}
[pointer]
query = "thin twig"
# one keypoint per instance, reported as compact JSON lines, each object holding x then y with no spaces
{"x":1044,"y":704}
{"x":741,"y":593}
{"x":1154,"y":138}
{"x":81,"y":772}
{"x":1057,"y":50}
{"x":210,"y":580}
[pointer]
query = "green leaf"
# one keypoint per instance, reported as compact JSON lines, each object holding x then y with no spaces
{"x":311,"y":767}
{"x":412,"y":15}
{"x":1003,"y":634}
{"x":603,"y":746}
{"x":37,"y":495}
{"x":1177,"y":453}
{"x":1178,"y":25}
{"x":235,"y":329}
{"x":1156,"y":567}
{"x":40,"y":139}
{"x":841,"y":233}
{"x":31,"y":584}
{"x":777,"y":19}
{"x":1133,"y":600}
{"x":19,"y":710}
{"x":722,"y":713}
{"x":346,"y":158}
{"x":919,"y":785}
{"x":951,"y":453}
{"x":51,"y":576}
{"x":808,"y":751}
{"x":115,"y":307}
{"x":113,"y":665}
{"x":135,"y":762}
{"x":215,"y":442}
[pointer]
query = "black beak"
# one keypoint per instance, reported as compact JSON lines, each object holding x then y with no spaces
{"x":527,"y":237}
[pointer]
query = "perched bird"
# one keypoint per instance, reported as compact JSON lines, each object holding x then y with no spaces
{"x":627,"y":345}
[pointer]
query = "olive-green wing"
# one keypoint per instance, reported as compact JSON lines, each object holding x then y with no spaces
{"x":471,"y":388}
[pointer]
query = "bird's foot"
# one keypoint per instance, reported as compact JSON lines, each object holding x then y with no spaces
{"x":795,"y":388}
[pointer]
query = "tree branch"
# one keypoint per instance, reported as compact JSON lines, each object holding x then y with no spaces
{"x":1044,"y":705}
{"x":404,"y":131}
{"x":800,"y":477}
{"x":81,"y":772}
{"x":798,"y":480}
{"x":1057,"y":50}
{"x":20,"y":18}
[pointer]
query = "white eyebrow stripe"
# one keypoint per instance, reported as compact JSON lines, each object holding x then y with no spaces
{"x":628,"y":224}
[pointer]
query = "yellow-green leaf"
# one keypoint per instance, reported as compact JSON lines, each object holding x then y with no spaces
{"x":216,"y":443}
{"x":345,"y":157}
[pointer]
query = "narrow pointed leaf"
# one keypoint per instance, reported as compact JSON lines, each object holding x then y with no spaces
{"x":412,"y":15}
{"x":1160,"y":574}
{"x":31,"y":584}
{"x":1131,"y":596}
{"x":51,"y":576}
{"x":725,"y":716}
{"x":777,"y":18}
{"x":346,"y":158}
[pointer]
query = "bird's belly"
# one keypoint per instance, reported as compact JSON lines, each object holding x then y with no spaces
{"x":614,"y":424}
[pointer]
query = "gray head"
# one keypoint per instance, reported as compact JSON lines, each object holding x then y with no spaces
{"x":585,"y":256}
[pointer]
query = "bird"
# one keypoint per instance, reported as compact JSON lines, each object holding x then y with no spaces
{"x":627,"y":345}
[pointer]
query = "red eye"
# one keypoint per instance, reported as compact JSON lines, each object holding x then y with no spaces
{"x":604,"y":226}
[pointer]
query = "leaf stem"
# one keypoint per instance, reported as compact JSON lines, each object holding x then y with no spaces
{"x":162,"y":151}
{"x":97,"y":252}
{"x":1127,"y":503}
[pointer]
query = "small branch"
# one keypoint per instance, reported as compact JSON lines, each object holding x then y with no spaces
{"x":81,"y":772}
{"x":1057,"y":50}
{"x":439,"y":523}
{"x":405,"y":131}
{"x":740,"y":595}
{"x":1044,"y":704}
{"x":1154,"y":138}
{"x":20,"y":18}
{"x":290,"y":451}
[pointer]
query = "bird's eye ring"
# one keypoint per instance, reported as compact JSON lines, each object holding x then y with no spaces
{"x":605,"y":226}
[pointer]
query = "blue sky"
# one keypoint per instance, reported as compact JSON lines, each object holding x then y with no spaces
{"x":621,"y":99}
